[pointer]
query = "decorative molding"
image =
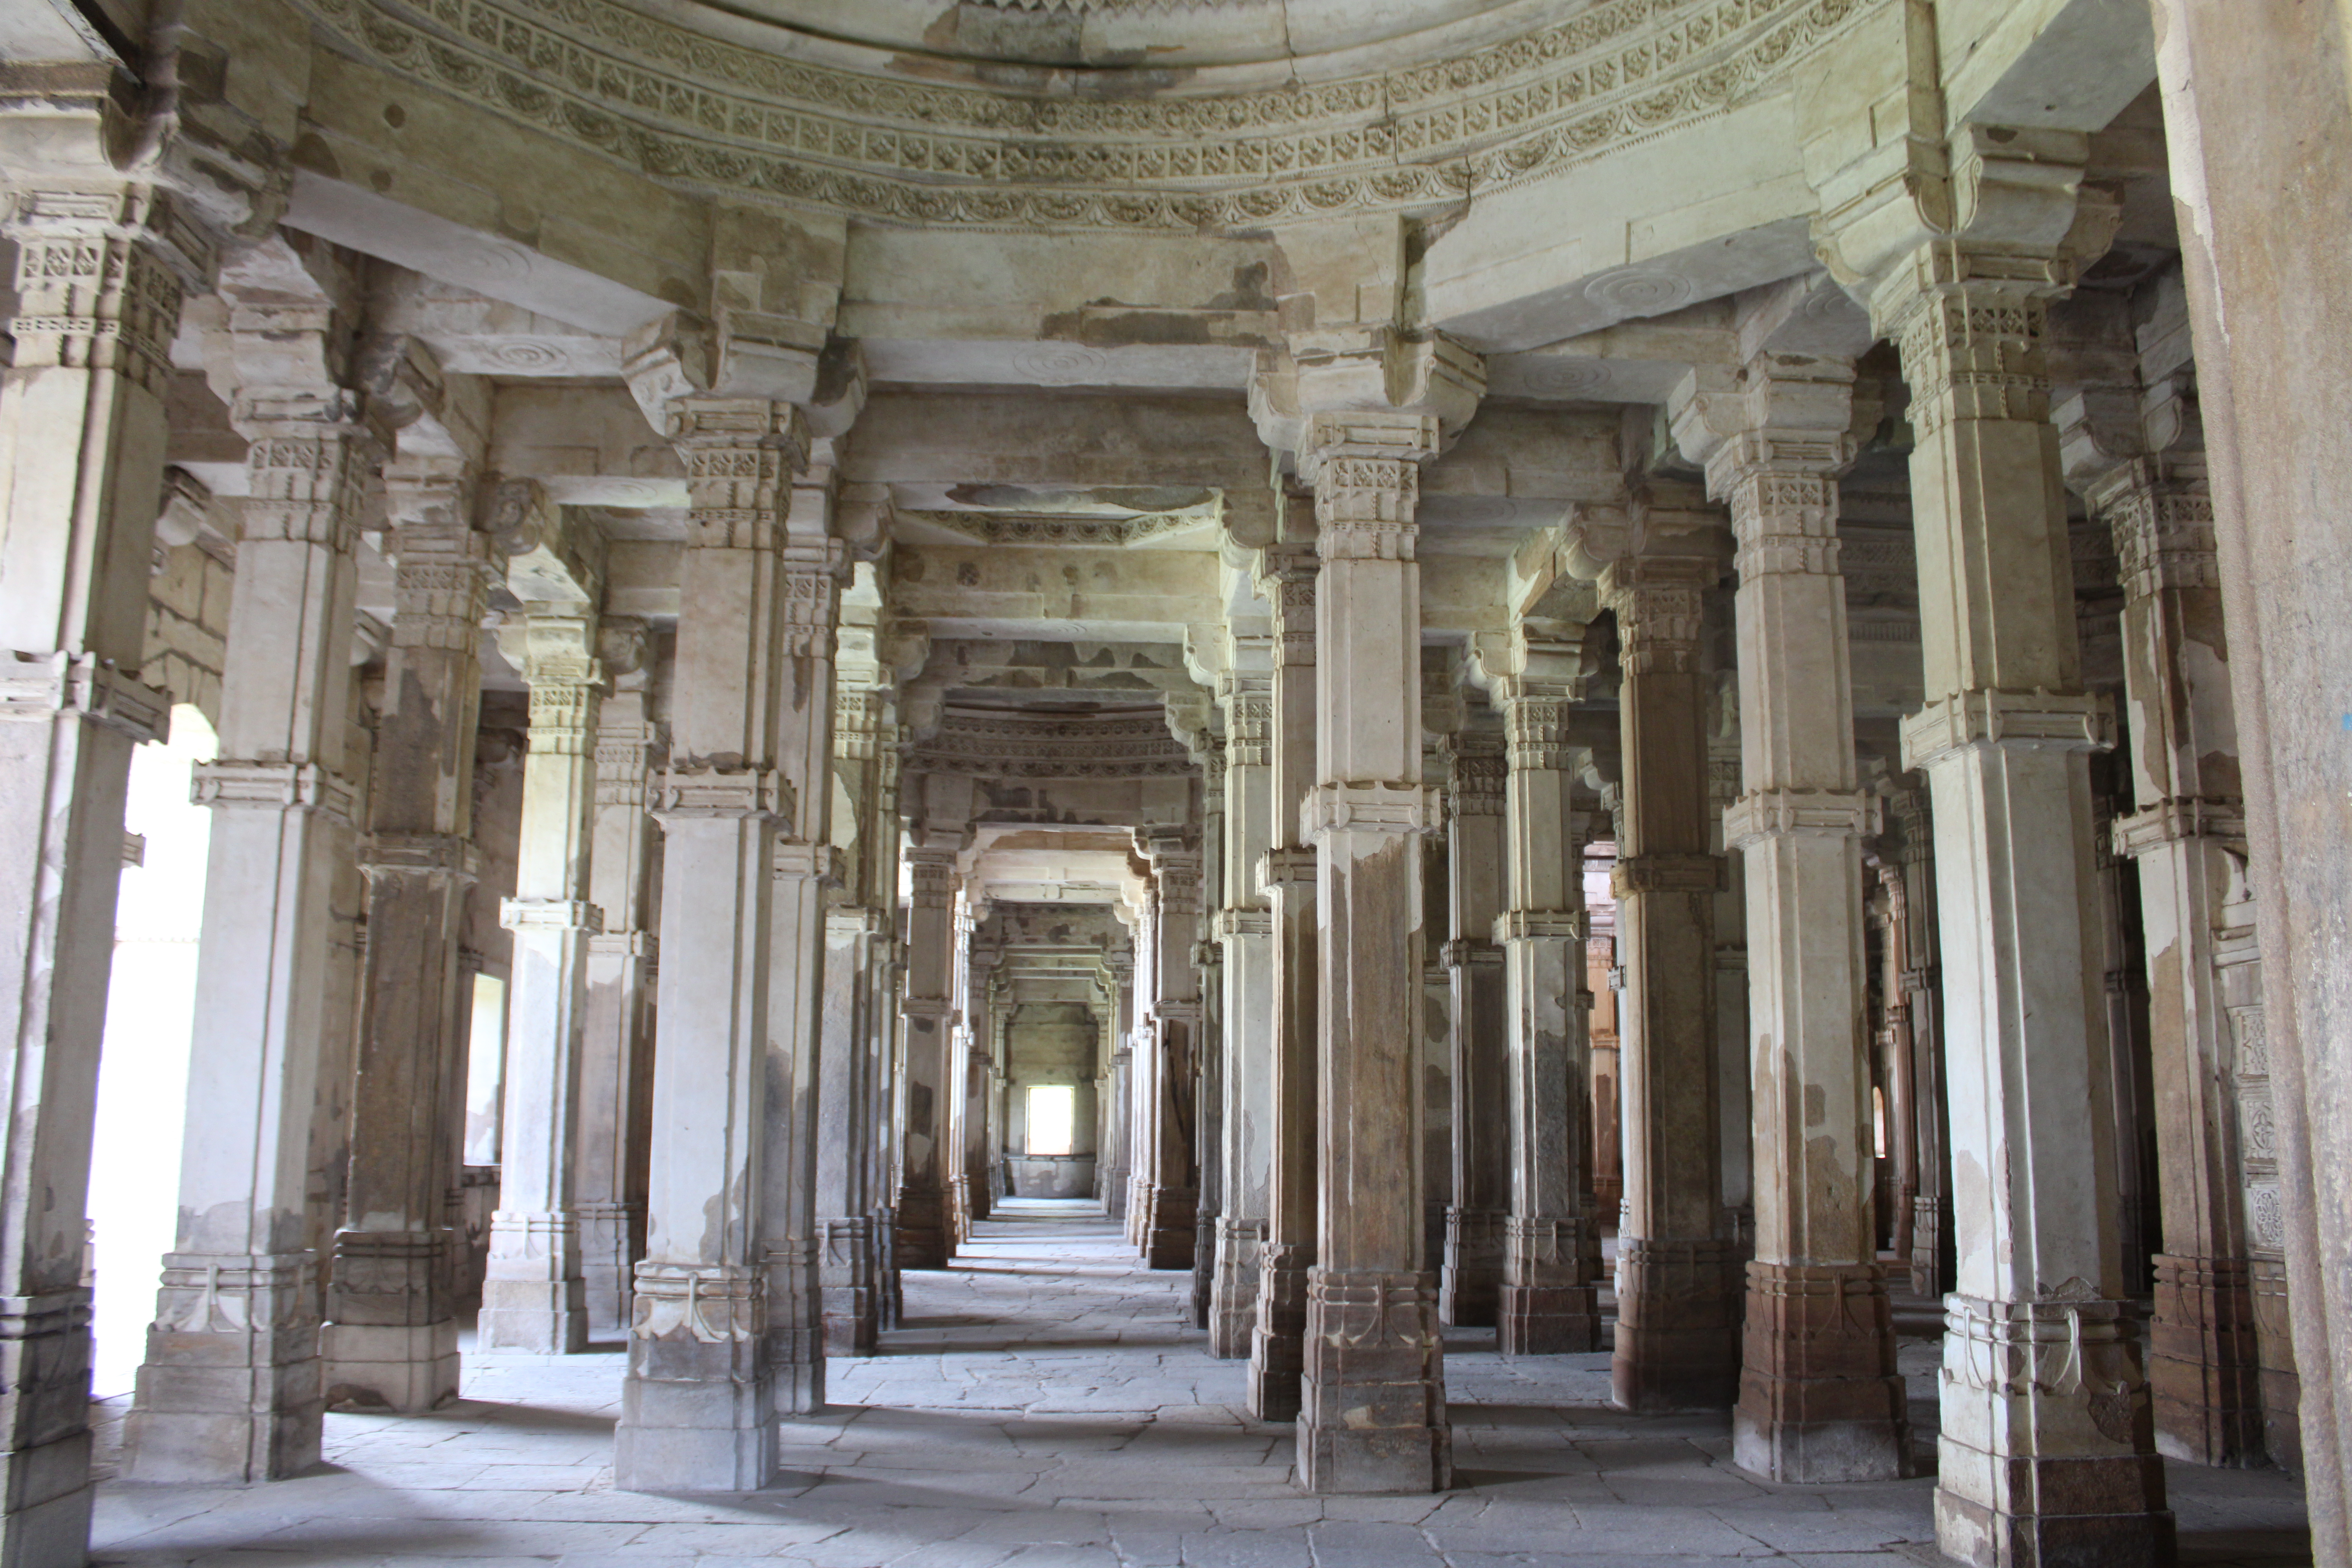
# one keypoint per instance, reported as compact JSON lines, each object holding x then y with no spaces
{"x":1012,"y":745}
{"x":1048,"y":529}
{"x":687,"y":108}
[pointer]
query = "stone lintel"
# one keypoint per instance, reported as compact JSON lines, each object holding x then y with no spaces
{"x":1668,"y":874}
{"x":1540,"y":925}
{"x":272,"y":787}
{"x":420,"y":855}
{"x":1291,"y":866}
{"x":692,"y":790}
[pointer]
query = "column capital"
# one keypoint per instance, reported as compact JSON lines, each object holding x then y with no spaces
{"x":442,"y":573}
{"x":1286,"y":575}
{"x":1475,"y":768}
{"x":2028,"y":720}
{"x":1660,"y":602}
{"x":740,"y":457}
{"x":1366,"y":470}
{"x":100,"y":277}
{"x":1763,"y":815}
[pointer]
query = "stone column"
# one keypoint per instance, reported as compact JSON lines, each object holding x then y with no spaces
{"x":1372,"y":1415}
{"x":232,"y":1388}
{"x":1167,"y":1151}
{"x":534,"y":1296}
{"x":99,"y":279}
{"x":985,"y":1013}
{"x":697,"y":1408}
{"x":929,"y":1007}
{"x":1245,"y":927}
{"x":1677,"y":1313}
{"x":2047,"y":1447}
{"x":1550,"y":1301}
{"x":1111,"y":1175}
{"x":1912,"y":902}
{"x":390,"y":1338}
{"x":1471,"y":1283}
{"x":1819,"y":1397}
{"x":1284,"y":876}
{"x":616,"y":1040}
{"x":2204,"y":1364}
{"x":850,"y":1106}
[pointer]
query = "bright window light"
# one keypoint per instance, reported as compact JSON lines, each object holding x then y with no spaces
{"x":1053,"y":1119}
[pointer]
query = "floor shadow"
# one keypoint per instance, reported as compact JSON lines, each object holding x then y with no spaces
{"x":2245,"y":1549}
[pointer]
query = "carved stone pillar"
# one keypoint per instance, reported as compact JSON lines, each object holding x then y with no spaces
{"x":1549,"y":1302}
{"x":1285,"y":878}
{"x":534,"y":1296}
{"x":1167,"y":1154}
{"x":99,"y":279}
{"x":1912,"y":899}
{"x":1245,"y":927}
{"x":1470,"y":1281}
{"x":928,"y":1007}
{"x":232,"y":1388}
{"x":698,"y":1406}
{"x":1112,"y":1175}
{"x":2188,"y":836}
{"x":1677,"y":1317}
{"x":617,"y":1031}
{"x":1819,"y":1396}
{"x":1372,"y":1415}
{"x":850,"y":1106}
{"x":2047,"y":1447}
{"x":390,"y":1338}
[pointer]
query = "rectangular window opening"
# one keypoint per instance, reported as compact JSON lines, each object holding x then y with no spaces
{"x":1053,"y":1119}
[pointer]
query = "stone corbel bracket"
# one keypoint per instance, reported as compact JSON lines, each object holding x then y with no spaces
{"x":554,"y":554}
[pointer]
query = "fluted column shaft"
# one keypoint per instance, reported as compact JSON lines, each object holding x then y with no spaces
{"x":698,"y":1407}
{"x":2037,"y":1464}
{"x":1677,"y":1325}
{"x":1372,"y":1415}
{"x":1470,"y":1281}
{"x":534,"y":1296}
{"x":391,"y":1340}
{"x":1285,"y":878}
{"x":1819,"y":1396}
{"x":99,"y":282}
{"x":1246,"y":926}
{"x":1549,"y":1300}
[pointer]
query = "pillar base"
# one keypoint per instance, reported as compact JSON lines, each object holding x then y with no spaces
{"x":698,"y":1412}
{"x":1167,"y":1232}
{"x":846,"y":1276}
{"x":608,"y":1260}
{"x":920,"y":1235}
{"x":1278,"y":1344}
{"x":1204,"y":1266}
{"x":1233,"y":1306}
{"x":391,"y":1342}
{"x":1373,"y":1413}
{"x":795,"y":1330}
{"x":1548,"y":1320}
{"x":533,"y":1299}
{"x":1677,"y":1327}
{"x":2048,"y":1457}
{"x":1819,"y":1401}
{"x":45,"y":1419}
{"x":2282,"y":1386}
{"x":2204,"y":1366}
{"x":233,"y":1389}
{"x":1470,"y":1287}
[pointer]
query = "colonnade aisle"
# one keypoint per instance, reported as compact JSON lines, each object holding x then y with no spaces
{"x":1045,"y":1405}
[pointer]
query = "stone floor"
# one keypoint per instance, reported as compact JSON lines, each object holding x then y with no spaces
{"x":1046,"y":1407}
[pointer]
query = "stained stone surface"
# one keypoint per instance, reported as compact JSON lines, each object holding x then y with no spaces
{"x":1045,"y":1406}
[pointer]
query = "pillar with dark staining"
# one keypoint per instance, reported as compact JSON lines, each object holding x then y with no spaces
{"x":1549,"y":1302}
{"x":928,"y":1007}
{"x":1819,"y":1397}
{"x":1284,"y":877}
{"x":2188,"y":837}
{"x":232,"y":1388}
{"x":1911,"y":894}
{"x":390,"y":1337}
{"x":1167,"y":1153}
{"x":1470,"y":1281}
{"x":1372,"y":1415}
{"x":2047,"y":1447}
{"x":1678,"y":1293}
{"x":698,"y":1405}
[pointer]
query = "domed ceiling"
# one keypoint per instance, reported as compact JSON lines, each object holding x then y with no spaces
{"x":1152,"y":35}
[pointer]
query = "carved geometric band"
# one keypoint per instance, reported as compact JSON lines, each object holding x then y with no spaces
{"x":443,"y":854}
{"x":1540,"y":925}
{"x":1793,"y":812}
{"x":1292,"y":866}
{"x":550,"y":915}
{"x":1370,"y":807}
{"x":625,"y":944}
{"x":89,"y":689}
{"x":271,"y":786}
{"x":2176,"y":819}
{"x":2019,"y":721}
{"x":800,"y":862}
{"x":1243,"y":920}
{"x":714,"y":1304}
{"x":713,"y":791}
